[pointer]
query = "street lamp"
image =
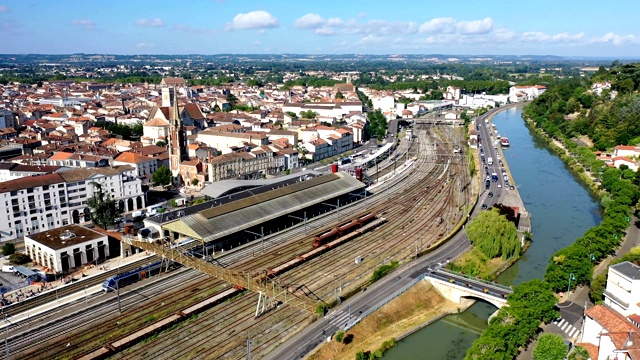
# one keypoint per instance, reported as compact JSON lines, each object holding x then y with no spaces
{"x":571,"y":277}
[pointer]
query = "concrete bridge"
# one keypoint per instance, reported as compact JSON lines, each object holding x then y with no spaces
{"x":456,"y":287}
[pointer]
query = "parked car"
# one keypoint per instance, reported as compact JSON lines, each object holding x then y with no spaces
{"x":490,"y":194}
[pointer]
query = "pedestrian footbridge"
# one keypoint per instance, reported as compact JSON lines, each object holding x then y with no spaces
{"x":457,"y":287}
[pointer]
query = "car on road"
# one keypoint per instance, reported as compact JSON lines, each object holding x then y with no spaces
{"x":512,"y":188}
{"x":484,"y":206}
{"x":490,"y":194}
{"x":499,"y":186}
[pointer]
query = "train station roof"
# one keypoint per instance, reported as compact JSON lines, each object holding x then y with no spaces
{"x":224,"y":187}
{"x":225,"y":219}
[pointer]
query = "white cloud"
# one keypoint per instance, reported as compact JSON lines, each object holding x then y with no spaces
{"x":538,"y":36}
{"x":362,"y":15}
{"x":309,"y":21}
{"x":86,"y":24}
{"x":439,"y":25}
{"x":615,"y":39}
{"x":370,"y":40}
{"x":145,"y":45}
{"x":253,"y":20}
{"x":4,"y":9}
{"x":475,"y":27}
{"x":150,"y":22}
{"x":325,"y":31}
{"x":335,"y":22}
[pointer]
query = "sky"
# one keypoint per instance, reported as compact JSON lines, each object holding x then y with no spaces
{"x":451,"y":27}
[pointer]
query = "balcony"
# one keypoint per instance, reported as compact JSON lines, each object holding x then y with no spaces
{"x":616,"y":299}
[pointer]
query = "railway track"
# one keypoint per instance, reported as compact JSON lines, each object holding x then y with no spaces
{"x":436,"y":193}
{"x":74,"y":287}
{"x":426,"y":185}
{"x":139,"y":308}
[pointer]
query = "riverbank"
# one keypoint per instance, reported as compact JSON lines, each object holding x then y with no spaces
{"x":559,"y":148}
{"x":416,"y":308}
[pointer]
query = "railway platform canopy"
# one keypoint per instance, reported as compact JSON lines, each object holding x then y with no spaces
{"x":227,"y":218}
{"x":226,"y":187}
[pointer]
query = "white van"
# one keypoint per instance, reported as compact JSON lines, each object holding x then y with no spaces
{"x":8,"y":269}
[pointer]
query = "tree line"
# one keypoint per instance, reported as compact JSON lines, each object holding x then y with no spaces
{"x":620,"y":192}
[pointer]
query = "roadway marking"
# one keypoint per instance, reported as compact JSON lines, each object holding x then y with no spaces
{"x":567,"y":328}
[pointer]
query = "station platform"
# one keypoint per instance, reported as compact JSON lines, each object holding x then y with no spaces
{"x":83,"y":274}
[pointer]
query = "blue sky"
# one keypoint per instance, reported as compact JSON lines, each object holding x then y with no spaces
{"x":542,"y":27}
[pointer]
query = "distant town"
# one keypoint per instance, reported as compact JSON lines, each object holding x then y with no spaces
{"x":116,"y":120}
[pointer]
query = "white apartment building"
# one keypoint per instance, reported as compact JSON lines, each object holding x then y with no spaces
{"x":383,"y":102}
{"x":622,"y":292}
{"x":66,"y":247}
{"x":222,"y":140}
{"x":30,"y":205}
{"x":329,"y":109}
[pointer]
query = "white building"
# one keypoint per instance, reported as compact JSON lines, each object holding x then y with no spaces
{"x":626,"y":151}
{"x":622,"y":293}
{"x":66,"y":247}
{"x":38,"y":203}
{"x":383,"y":102}
{"x":329,"y":109}
{"x":222,"y":139}
{"x":526,"y":92}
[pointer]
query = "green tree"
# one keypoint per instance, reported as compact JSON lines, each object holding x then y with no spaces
{"x":533,"y":299}
{"x":8,"y":249}
{"x":194,"y":182}
{"x":596,"y":288}
{"x":579,"y":353}
{"x":339,"y":95}
{"x":161,"y":144}
{"x":550,"y":347}
{"x":494,"y":235}
{"x":309,"y":114}
{"x":232,"y":99}
{"x":103,"y":208}
{"x":162,"y":176}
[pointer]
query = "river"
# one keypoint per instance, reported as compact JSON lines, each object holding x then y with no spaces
{"x":561,"y":210}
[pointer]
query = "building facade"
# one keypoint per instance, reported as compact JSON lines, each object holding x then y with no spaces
{"x":66,"y":247}
{"x":34,"y":204}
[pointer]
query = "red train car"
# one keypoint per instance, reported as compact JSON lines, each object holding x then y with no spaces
{"x":366,"y":218}
{"x":348,"y":227}
{"x":324,"y":237}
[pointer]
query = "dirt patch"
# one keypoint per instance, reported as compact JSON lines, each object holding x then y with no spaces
{"x":415,"y":307}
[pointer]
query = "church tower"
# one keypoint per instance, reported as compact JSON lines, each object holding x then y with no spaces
{"x":177,"y":138}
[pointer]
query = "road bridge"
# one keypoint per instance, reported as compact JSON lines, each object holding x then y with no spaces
{"x":456,"y":287}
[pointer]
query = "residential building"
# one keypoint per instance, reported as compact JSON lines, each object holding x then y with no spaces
{"x":37,"y":203}
{"x":622,"y":292}
{"x":606,"y":335}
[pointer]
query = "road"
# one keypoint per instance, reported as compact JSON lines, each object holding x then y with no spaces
{"x":478,"y":285}
{"x":310,"y":337}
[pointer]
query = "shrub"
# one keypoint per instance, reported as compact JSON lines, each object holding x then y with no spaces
{"x":383,"y":270}
{"x":19,"y":259}
{"x":322,"y":308}
{"x":363,"y":355}
{"x":8,"y":249}
{"x":339,"y":336}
